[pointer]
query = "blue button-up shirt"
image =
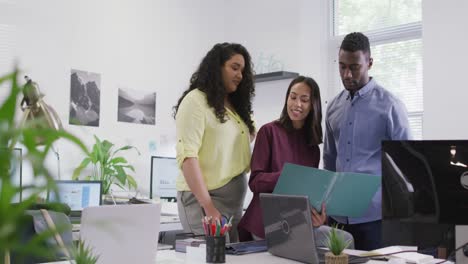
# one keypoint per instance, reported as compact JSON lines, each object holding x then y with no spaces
{"x":355,"y":128}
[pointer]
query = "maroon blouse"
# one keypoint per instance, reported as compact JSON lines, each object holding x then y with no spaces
{"x":274,"y":146}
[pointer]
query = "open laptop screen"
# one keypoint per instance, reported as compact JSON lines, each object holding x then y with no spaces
{"x":77,"y":194}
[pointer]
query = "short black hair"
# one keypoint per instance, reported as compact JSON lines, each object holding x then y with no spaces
{"x":356,"y":41}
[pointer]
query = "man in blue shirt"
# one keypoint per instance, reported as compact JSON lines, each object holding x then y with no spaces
{"x":357,"y":121}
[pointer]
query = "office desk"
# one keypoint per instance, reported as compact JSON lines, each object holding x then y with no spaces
{"x":172,"y":257}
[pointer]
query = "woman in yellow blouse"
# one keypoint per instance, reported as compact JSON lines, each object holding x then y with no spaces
{"x":214,"y":130}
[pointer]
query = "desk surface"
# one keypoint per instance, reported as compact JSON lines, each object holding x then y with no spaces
{"x":170,"y":257}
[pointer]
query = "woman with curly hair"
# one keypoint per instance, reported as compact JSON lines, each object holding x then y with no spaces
{"x":214,"y":131}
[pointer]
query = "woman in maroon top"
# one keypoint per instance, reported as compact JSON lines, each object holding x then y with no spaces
{"x":294,"y":138}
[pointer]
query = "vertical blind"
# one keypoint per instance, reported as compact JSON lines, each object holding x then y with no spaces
{"x":368,"y":15}
{"x":7,"y":44}
{"x":396,"y":47}
{"x":398,"y":68}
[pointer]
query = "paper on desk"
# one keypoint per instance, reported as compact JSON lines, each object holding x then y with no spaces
{"x":169,"y":208}
{"x":409,"y":257}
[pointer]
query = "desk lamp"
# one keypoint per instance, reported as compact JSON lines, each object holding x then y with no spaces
{"x":35,"y":109}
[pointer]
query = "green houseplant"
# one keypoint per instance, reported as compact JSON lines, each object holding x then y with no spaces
{"x":14,"y":220}
{"x":83,"y":254}
{"x":336,"y":243}
{"x":107,"y":166}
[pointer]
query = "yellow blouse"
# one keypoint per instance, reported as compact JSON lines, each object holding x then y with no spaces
{"x":222,"y":149}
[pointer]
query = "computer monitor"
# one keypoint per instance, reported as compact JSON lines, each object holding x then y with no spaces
{"x":424,"y":191}
{"x":164,"y":171}
{"x":77,"y":194}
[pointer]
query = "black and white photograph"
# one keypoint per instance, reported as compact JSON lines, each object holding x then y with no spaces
{"x":137,"y":107}
{"x":85,"y":94}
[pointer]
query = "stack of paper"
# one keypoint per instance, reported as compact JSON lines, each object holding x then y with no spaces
{"x":182,"y":244}
{"x":409,"y":257}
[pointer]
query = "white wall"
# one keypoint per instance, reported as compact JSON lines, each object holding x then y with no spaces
{"x":154,"y":46}
{"x":444,"y":54}
{"x":143,"y":45}
{"x":281,"y":35}
{"x":445,"y":92}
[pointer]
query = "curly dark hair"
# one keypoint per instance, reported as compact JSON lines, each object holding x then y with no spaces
{"x":208,"y":79}
{"x":356,"y":41}
{"x":313,"y":122}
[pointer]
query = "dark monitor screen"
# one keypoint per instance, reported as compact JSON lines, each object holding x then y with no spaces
{"x":425,"y":181}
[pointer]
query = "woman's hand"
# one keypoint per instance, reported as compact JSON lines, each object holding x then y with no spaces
{"x":211,"y":211}
{"x":319,"y":219}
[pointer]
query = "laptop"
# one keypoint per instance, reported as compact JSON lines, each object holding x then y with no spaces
{"x":77,"y":195}
{"x":122,"y":234}
{"x":288,"y":228}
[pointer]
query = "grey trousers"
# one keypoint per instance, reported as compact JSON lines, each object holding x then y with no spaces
{"x":321,"y":234}
{"x":228,"y":199}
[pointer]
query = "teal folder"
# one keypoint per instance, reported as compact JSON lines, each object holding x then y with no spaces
{"x":344,"y":193}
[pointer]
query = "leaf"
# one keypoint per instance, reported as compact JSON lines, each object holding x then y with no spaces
{"x":121,"y":175}
{"x":131,"y":182}
{"x":8,"y":108}
{"x":130,"y":167}
{"x":126,"y":148}
{"x":83,"y":165}
{"x":118,"y":160}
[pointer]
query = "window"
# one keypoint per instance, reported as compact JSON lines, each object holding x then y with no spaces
{"x":394,"y":30}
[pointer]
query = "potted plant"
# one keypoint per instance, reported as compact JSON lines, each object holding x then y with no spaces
{"x":14,"y":220}
{"x":107,"y":166}
{"x":83,"y":254}
{"x":336,"y":243}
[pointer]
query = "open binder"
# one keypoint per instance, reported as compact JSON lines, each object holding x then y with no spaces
{"x":344,"y":193}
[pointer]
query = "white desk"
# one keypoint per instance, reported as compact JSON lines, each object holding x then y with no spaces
{"x":172,"y":257}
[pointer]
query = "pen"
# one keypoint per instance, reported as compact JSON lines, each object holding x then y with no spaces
{"x":213,"y":229}
{"x":205,"y":229}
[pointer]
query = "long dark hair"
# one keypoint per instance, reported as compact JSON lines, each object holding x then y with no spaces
{"x":313,"y":122}
{"x":208,"y":79}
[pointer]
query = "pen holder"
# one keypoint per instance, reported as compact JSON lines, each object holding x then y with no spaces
{"x":215,"y":249}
